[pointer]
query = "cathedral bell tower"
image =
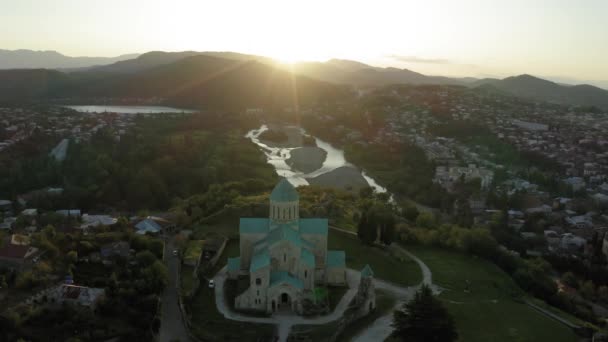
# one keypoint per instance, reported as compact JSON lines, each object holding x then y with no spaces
{"x":284,"y":204}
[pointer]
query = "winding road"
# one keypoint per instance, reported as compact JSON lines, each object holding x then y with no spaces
{"x":172,"y":325}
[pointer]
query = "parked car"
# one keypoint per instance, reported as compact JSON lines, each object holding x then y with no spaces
{"x":175,"y":252}
{"x":211,"y":284}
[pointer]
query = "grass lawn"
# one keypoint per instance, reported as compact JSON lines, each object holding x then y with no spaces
{"x":334,"y":295}
{"x":488,"y":312}
{"x":232,"y":250}
{"x":187,"y":275}
{"x":209,"y":325}
{"x":403,"y":272}
{"x":193,"y":251}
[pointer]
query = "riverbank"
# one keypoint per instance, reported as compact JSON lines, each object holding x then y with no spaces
{"x":345,"y":177}
{"x":323,"y":165}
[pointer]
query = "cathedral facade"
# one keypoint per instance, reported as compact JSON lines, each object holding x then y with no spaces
{"x":284,"y":256}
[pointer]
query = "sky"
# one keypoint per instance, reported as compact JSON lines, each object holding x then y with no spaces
{"x":563,"y":40}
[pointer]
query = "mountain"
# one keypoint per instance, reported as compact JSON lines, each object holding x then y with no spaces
{"x":155,"y":59}
{"x":197,"y":81}
{"x":28,"y":59}
{"x":357,"y":73}
{"x":527,"y":86}
{"x":28,"y":84}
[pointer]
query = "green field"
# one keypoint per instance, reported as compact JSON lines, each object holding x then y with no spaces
{"x":209,"y":325}
{"x":193,"y":251}
{"x":403,"y":272}
{"x":488,"y":312}
{"x":187,"y":279}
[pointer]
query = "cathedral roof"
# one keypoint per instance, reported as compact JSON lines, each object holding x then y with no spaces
{"x":259,"y":260}
{"x":284,"y":192}
{"x":336,"y":259}
{"x":313,"y":226}
{"x":367,"y":271}
{"x":234,"y":264}
{"x":253,"y":225}
{"x":307,"y":257}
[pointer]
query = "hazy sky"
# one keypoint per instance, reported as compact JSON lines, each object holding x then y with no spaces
{"x":565,"y":39}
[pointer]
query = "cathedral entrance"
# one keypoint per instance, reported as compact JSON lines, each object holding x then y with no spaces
{"x":284,"y":298}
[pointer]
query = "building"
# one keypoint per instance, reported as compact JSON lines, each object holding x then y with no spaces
{"x":16,"y":256}
{"x":448,"y":176}
{"x":148,"y":226}
{"x":284,"y":256}
{"x":80,"y":295}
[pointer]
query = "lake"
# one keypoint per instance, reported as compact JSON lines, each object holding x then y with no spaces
{"x":129,"y":109}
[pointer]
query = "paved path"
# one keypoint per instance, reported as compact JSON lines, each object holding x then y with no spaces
{"x":285,"y":321}
{"x":552,"y":315}
{"x":378,"y":331}
{"x":381,"y":328}
{"x":171,"y":324}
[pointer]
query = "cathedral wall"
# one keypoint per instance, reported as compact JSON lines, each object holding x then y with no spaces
{"x":246,"y":247}
{"x":285,"y":256}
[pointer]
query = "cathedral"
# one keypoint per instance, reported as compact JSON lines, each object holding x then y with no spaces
{"x":284,"y":256}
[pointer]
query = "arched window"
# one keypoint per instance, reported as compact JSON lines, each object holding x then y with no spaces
{"x":305,"y":274}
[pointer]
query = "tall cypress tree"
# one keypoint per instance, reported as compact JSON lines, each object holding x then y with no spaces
{"x":424,"y":319}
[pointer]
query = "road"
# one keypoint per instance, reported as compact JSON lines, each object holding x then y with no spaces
{"x":172,"y":325}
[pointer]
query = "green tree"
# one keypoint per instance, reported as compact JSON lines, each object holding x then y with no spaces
{"x":365,"y":230}
{"x":426,"y":220}
{"x":145,"y":258}
{"x":569,"y":279}
{"x":424,"y":319}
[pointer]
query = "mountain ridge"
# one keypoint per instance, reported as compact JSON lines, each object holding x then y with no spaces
{"x":50,"y":59}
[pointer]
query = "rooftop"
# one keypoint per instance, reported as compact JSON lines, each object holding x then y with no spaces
{"x":284,"y":192}
{"x":253,"y":225}
{"x":336,"y":259}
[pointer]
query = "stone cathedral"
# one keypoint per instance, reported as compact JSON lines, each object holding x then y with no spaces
{"x":284,"y":255}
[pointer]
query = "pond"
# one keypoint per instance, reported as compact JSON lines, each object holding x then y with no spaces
{"x":129,"y":109}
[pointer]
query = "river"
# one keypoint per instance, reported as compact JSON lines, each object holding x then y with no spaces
{"x":277,"y":157}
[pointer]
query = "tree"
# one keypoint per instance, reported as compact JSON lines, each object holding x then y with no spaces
{"x":411,"y":212}
{"x":426,"y":220}
{"x":366,"y":231}
{"x":71,"y":257}
{"x":145,"y":258}
{"x":424,"y":319}
{"x":587,"y":290}
{"x":569,"y":279}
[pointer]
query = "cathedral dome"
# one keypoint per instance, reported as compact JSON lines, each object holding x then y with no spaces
{"x":284,"y":192}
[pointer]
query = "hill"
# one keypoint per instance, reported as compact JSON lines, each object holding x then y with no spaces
{"x":197,"y":81}
{"x":353,"y":72}
{"x":28,"y":59}
{"x":28,"y":84}
{"x":535,"y":88}
{"x":155,"y":59}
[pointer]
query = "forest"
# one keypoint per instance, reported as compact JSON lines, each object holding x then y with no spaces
{"x":154,"y":164}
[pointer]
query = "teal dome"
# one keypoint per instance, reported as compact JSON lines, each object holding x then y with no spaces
{"x":284,"y":192}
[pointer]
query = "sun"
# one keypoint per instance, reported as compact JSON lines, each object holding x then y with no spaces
{"x":288,"y":58}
